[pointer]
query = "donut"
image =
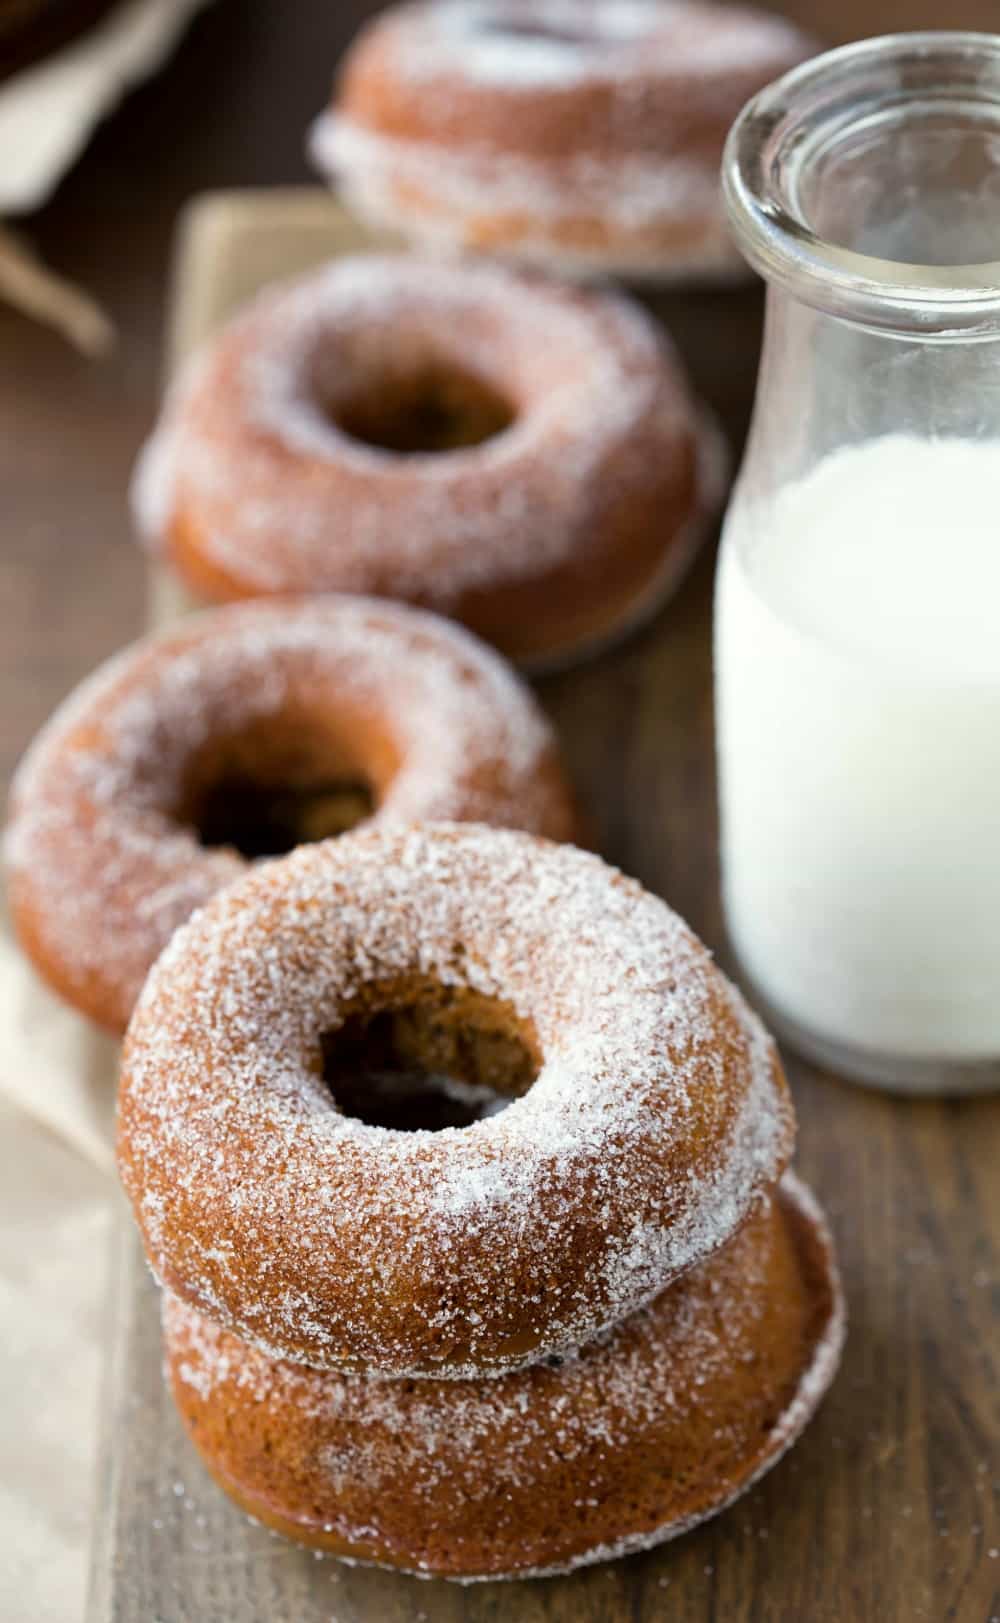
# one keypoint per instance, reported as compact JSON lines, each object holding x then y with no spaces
{"x":247,"y":730}
{"x":582,"y":135}
{"x":628,"y":1442}
{"x":646,"y":1113}
{"x":523,"y":457}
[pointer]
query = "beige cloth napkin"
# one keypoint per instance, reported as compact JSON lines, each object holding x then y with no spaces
{"x":56,"y":1106}
{"x":47,"y":114}
{"x":48,"y":111}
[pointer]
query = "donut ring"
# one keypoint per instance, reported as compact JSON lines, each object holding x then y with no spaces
{"x":658,"y":1120}
{"x":570,"y":483}
{"x":667,"y":1419}
{"x":395,"y":707}
{"x":583,"y":135}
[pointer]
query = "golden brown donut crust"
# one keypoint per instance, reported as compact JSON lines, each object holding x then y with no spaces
{"x":103,"y":854}
{"x":658,"y":1118}
{"x":630,"y":1441}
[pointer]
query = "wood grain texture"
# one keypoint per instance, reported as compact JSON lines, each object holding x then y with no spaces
{"x":887,"y":1509}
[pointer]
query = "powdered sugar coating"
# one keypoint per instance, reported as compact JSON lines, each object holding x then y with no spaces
{"x":521,"y":44}
{"x":473,"y":35}
{"x":95,"y":852}
{"x":401,"y":185}
{"x":657,"y":1122}
{"x":584,"y":134}
{"x":249,"y":461}
{"x":656,"y":1374}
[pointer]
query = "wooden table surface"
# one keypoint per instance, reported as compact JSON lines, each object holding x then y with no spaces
{"x":887,"y":1509}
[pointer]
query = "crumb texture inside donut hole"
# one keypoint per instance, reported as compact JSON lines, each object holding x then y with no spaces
{"x":424,"y":1058}
{"x":410,"y":380}
{"x":268,"y":820}
{"x":282,"y":782}
{"x":432,"y":408}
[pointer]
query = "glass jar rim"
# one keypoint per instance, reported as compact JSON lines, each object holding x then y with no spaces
{"x":768,"y":139}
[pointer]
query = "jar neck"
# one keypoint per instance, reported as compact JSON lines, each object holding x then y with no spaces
{"x":826,"y":383}
{"x":866,"y":184}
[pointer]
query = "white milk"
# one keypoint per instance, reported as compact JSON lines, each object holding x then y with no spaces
{"x":858,"y":711}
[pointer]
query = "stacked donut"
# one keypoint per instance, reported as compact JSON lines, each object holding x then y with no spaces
{"x":579,"y":1317}
{"x":461,"y":1165}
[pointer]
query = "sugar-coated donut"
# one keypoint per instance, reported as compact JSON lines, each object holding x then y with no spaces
{"x":652,"y":1115}
{"x":584,"y":135}
{"x":265,"y":724}
{"x":523,"y":457}
{"x":631,"y":1440}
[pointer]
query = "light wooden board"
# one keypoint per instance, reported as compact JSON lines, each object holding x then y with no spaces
{"x":886,"y":1512}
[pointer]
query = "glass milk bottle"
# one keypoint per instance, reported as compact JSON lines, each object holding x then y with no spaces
{"x":857,"y":642}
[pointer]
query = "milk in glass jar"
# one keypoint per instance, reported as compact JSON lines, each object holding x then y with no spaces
{"x":857,"y":642}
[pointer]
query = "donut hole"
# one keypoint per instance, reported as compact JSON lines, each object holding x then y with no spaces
{"x":281,"y":783}
{"x":267,"y":820}
{"x":432,"y":408}
{"x":561,"y":31}
{"x":448,"y":1058}
{"x":529,"y":31}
